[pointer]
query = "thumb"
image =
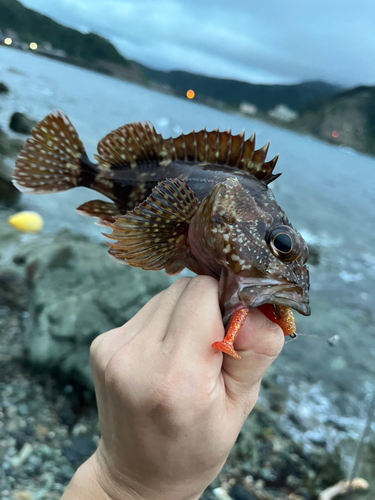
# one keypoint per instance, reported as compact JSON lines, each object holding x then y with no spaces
{"x":259,"y":342}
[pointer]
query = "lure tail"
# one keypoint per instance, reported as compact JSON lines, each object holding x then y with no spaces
{"x":54,"y":159}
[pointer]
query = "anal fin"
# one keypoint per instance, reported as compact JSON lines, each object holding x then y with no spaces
{"x":154,"y":235}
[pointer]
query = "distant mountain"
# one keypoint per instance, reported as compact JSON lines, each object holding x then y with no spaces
{"x":233,"y":92}
{"x":34,"y":27}
{"x":348,"y":119}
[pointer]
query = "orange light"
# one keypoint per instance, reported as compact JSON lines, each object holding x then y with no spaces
{"x":335,"y":134}
{"x":190,"y":94}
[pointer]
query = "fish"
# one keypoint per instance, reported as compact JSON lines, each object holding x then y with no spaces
{"x":199,"y":201}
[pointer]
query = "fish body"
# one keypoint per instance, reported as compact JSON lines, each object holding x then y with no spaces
{"x":199,"y":201}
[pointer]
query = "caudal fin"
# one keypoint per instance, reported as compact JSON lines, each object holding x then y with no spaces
{"x":51,"y":160}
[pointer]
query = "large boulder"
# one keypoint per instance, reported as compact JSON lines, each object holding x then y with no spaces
{"x":21,"y":123}
{"x":77,"y":292}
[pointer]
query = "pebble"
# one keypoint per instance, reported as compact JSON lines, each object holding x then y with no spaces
{"x":23,"y":495}
{"x":221,"y":494}
{"x":22,"y":456}
{"x":238,"y":493}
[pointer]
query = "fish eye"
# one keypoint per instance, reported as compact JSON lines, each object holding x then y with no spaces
{"x":282,"y":243}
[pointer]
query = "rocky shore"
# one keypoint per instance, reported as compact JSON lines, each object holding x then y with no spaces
{"x":48,"y":421}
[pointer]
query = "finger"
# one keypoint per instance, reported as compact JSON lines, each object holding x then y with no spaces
{"x":259,"y":342}
{"x":196,"y":323}
{"x":156,"y":325}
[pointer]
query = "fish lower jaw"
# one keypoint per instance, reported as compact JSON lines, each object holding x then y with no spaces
{"x":255,"y":297}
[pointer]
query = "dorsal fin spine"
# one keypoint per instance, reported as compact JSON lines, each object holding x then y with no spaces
{"x":242,"y":136}
{"x":229,"y":132}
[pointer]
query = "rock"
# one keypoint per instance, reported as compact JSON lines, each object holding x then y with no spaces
{"x":238,"y":493}
{"x":221,"y":494}
{"x":344,"y":487}
{"x":3,"y":88}
{"x":23,"y":495}
{"x":21,"y":123}
{"x":22,"y":456}
{"x":9,"y":194}
{"x":76,"y":293}
{"x":80,"y":449}
{"x":9,"y":147}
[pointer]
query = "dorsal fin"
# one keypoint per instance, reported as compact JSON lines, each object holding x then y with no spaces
{"x":130,"y":144}
{"x":222,"y":148}
{"x":138,"y":142}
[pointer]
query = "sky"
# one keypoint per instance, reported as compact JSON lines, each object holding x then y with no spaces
{"x":259,"y":41}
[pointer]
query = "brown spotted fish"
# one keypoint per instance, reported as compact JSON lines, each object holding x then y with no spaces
{"x":199,"y":201}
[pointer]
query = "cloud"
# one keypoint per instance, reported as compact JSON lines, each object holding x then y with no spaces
{"x":263,"y":41}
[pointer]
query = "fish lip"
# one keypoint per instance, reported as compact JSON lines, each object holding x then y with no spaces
{"x":301,"y":307}
{"x":265,"y":295}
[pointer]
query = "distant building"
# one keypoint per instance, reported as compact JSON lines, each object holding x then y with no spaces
{"x":248,"y":109}
{"x":283,"y":113}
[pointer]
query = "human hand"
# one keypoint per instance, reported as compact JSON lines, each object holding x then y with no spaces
{"x":170,"y":406}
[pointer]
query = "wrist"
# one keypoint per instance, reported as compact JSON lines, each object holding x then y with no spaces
{"x":87,"y":484}
{"x":92,"y":482}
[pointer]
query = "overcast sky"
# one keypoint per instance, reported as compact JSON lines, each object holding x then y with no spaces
{"x":262,"y":41}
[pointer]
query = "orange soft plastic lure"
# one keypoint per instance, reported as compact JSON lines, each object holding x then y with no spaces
{"x":284,"y":318}
{"x":280,"y":315}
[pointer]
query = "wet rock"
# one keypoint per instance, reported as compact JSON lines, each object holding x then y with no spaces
{"x":21,"y":123}
{"x":3,"y":88}
{"x":77,"y":292}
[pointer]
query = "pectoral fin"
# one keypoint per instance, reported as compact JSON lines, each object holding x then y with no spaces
{"x":154,"y":234}
{"x":104,"y":210}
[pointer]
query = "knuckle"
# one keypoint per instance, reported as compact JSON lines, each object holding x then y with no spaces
{"x":205,"y":282}
{"x":113,"y":372}
{"x":94,"y":347}
{"x":170,"y":293}
{"x":184,"y":280}
{"x":273,"y":342}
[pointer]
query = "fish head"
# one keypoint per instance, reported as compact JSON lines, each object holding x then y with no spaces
{"x":244,"y":237}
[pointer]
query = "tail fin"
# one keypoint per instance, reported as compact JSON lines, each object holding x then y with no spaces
{"x":51,"y":160}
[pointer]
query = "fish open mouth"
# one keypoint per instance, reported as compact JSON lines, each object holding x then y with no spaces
{"x":289,"y":296}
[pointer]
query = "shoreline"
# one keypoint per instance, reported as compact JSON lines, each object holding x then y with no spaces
{"x":133,"y":76}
